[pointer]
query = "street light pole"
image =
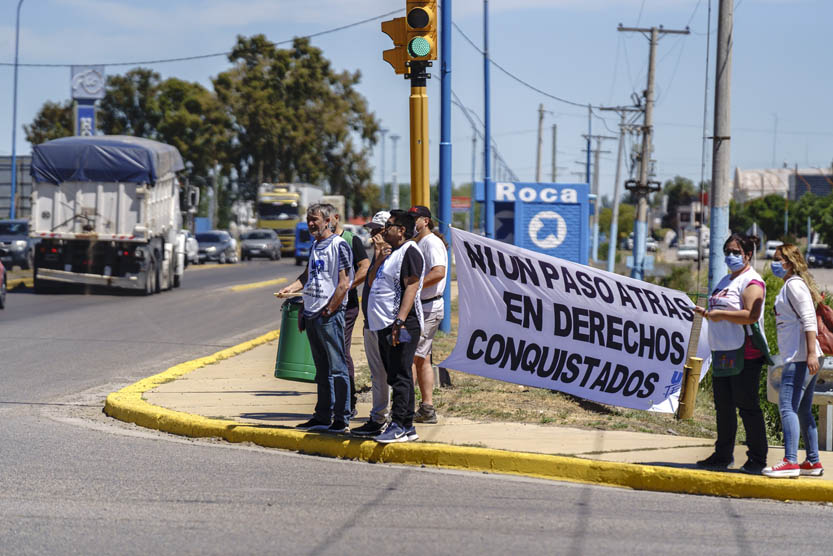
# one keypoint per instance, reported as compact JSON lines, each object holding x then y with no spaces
{"x":14,"y":112}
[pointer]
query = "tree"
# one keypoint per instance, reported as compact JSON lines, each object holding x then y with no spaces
{"x":53,"y":120}
{"x":296,"y":119}
{"x":680,"y":192}
{"x":624,"y":224}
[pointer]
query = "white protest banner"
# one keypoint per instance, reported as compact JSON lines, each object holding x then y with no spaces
{"x":533,"y":319}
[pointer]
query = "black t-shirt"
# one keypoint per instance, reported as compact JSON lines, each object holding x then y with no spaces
{"x":412,"y":265}
{"x":359,"y":255}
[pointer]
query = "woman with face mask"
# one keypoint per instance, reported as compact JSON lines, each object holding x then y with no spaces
{"x":735,"y":305}
{"x":795,"y":320}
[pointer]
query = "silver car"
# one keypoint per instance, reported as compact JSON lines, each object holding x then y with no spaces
{"x":260,"y":243}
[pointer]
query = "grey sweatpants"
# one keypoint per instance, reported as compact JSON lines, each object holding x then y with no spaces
{"x":378,"y":377}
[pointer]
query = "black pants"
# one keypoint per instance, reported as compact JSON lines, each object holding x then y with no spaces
{"x":398,"y":361}
{"x":350,"y":316}
{"x":740,"y":392}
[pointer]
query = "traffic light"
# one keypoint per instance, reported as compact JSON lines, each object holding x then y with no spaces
{"x":396,"y":56}
{"x":421,"y":21}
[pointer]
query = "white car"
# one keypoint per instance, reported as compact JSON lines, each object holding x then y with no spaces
{"x":687,"y":253}
{"x":651,"y":244}
{"x":771,"y":246}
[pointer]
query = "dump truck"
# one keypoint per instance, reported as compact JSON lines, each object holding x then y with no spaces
{"x":106,"y":210}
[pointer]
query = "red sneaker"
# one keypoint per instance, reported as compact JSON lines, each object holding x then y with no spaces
{"x":783,"y":469}
{"x":812,"y":469}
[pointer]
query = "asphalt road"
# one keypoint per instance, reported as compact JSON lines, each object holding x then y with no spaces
{"x":73,"y":481}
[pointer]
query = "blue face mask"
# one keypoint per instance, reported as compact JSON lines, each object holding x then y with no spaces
{"x":734,"y":262}
{"x":778,"y":269}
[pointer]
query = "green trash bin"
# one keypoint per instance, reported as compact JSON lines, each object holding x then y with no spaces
{"x":294,"y":360}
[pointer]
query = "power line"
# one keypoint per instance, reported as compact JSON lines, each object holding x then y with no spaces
{"x":515,"y":77}
{"x":213,"y":55}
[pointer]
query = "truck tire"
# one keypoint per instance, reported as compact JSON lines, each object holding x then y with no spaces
{"x":150,"y":275}
{"x":177,"y":281}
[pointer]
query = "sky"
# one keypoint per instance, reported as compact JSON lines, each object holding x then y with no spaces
{"x":781,"y":112}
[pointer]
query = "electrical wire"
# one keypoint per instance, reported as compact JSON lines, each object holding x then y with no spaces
{"x":213,"y":55}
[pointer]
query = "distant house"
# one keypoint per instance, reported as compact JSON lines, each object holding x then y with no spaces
{"x":791,"y":182}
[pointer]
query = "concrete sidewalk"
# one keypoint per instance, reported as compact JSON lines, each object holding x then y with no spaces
{"x":244,"y":389}
{"x":234,"y":395}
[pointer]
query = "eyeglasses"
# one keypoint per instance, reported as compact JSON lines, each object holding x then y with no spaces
{"x":728,"y":252}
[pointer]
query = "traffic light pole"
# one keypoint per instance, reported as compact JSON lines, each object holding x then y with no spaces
{"x":418,"y":104}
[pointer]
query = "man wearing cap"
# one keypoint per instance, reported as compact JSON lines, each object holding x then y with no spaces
{"x":395,"y":314}
{"x":435,"y":252}
{"x":378,"y":376}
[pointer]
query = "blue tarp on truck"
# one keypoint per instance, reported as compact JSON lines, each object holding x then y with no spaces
{"x":108,"y":158}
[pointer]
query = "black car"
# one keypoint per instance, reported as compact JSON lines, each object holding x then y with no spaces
{"x":260,"y":243}
{"x":16,"y":243}
{"x":216,"y":245}
{"x":820,"y":256}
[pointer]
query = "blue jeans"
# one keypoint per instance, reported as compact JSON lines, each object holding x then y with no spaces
{"x":326,"y":340}
{"x":795,"y":401}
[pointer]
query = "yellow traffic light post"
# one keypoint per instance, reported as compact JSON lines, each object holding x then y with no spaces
{"x":415,"y":38}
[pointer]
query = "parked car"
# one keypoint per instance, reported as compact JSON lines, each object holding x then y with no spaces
{"x":303,"y":243}
{"x":216,"y":245}
{"x":651,"y":244}
{"x":819,"y":256}
{"x":770,"y":248}
{"x":19,"y":247}
{"x":3,"y":285}
{"x":260,"y":243}
{"x":687,"y":253}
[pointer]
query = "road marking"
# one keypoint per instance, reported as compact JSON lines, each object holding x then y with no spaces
{"x":255,"y":285}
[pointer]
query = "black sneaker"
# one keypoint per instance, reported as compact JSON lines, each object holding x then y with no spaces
{"x":425,"y":414}
{"x":339,"y":427}
{"x":313,"y":425}
{"x":752,"y":468}
{"x":715,"y":463}
{"x":371,"y":428}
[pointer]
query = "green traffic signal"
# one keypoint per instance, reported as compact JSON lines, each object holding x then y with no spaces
{"x":419,"y":47}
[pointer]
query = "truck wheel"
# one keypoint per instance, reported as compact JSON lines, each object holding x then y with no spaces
{"x":177,"y":281}
{"x":150,"y":287}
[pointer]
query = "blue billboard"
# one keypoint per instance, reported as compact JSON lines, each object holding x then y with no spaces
{"x":550,"y":218}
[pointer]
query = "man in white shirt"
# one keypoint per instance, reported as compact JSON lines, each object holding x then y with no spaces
{"x":435,"y":252}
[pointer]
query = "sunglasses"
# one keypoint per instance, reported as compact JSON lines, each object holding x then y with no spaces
{"x":728,"y":252}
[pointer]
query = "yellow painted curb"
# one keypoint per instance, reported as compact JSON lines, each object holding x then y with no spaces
{"x":127,"y":405}
{"x":255,"y":285}
{"x":18,"y":282}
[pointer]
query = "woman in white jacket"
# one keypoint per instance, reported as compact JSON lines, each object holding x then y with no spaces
{"x":795,"y":320}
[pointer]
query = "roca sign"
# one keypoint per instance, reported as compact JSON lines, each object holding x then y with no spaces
{"x":550,"y":218}
{"x":529,"y":193}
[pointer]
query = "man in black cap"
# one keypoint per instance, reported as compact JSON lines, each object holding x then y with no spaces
{"x":435,"y":253}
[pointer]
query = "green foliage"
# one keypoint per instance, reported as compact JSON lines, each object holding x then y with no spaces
{"x":681,"y":278}
{"x":769,"y":213}
{"x":624,"y":225}
{"x":276,"y":115}
{"x":772,"y":417}
{"x":53,"y":121}
{"x":680,"y":192}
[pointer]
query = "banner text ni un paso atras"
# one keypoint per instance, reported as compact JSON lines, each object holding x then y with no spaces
{"x":532,"y":319}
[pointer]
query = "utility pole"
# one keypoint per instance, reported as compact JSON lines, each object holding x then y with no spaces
{"x":719,"y":199}
{"x":554,"y":142}
{"x":614,"y":218}
{"x":394,"y":186}
{"x":473,"y":171}
{"x":540,"y":143}
{"x":594,"y":217}
{"x":383,"y":132}
{"x":642,"y":187}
